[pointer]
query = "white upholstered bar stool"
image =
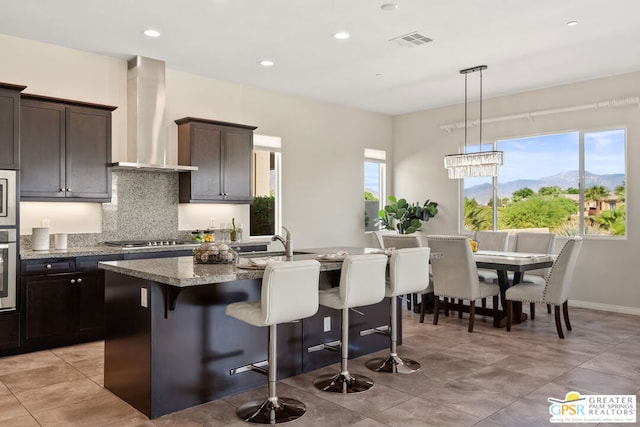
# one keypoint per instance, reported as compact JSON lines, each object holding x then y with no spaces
{"x":408,"y":273}
{"x":401,"y":241}
{"x":362,"y":282}
{"x":289,"y":292}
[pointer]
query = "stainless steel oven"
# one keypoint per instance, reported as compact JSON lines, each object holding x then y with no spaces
{"x":8,"y":264}
{"x":8,"y":198}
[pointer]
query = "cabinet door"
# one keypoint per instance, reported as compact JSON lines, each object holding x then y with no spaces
{"x":88,"y":152}
{"x":49,"y":309}
{"x":238,"y":154}
{"x":9,"y":128}
{"x":206,"y":150}
{"x":42,"y":146}
{"x":90,"y":291}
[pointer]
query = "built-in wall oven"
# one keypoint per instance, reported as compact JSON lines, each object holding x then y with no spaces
{"x":8,"y":246}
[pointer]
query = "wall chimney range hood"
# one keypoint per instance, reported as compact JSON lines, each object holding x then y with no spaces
{"x":146,"y":98}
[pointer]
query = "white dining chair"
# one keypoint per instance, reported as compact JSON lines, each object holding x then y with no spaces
{"x":455,"y":275}
{"x":539,"y":243}
{"x":554,"y":291}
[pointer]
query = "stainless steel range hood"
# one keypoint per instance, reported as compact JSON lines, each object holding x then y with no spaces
{"x":146,"y":98}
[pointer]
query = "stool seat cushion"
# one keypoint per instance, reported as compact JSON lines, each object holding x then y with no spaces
{"x":331,"y":298}
{"x":249,"y":312}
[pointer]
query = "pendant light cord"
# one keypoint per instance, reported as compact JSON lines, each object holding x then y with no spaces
{"x":465,"y":114}
{"x":481,"y":110}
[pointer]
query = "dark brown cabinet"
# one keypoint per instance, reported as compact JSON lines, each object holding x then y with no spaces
{"x":65,"y":150}
{"x":63,"y":301}
{"x":10,"y":125}
{"x":223,"y":153}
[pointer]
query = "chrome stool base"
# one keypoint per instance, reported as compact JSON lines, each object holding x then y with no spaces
{"x":343,"y":383}
{"x":393,"y":365}
{"x":280,"y":411}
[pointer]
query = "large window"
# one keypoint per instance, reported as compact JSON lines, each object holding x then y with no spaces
{"x":374,"y":187}
{"x":569,"y":183}
{"x":265,"y":208}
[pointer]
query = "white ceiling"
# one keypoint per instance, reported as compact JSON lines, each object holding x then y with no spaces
{"x":525,"y":43}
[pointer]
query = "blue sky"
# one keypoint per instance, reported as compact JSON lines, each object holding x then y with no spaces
{"x":371,"y":180}
{"x":545,"y":155}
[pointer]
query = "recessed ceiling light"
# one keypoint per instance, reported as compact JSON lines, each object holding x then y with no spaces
{"x":152,"y":33}
{"x":388,"y":7}
{"x":267,"y":63}
{"x":572,"y":23}
{"x":342,"y":35}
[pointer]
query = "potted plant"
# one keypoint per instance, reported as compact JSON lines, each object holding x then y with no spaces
{"x":404,"y":217}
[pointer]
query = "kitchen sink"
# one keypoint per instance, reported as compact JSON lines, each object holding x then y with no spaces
{"x":258,"y":254}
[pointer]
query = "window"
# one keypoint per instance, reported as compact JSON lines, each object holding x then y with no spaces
{"x":374,"y":187}
{"x":569,"y":183}
{"x":266,"y":206}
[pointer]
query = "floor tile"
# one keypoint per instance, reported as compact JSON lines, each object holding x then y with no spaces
{"x":39,"y":377}
{"x":60,"y":394}
{"x":487,"y":378}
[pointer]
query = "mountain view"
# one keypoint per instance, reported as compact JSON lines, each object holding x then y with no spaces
{"x":482,"y":192}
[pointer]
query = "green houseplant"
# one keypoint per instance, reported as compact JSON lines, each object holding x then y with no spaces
{"x":404,"y":217}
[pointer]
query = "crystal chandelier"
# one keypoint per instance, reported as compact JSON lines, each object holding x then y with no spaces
{"x":483,"y":163}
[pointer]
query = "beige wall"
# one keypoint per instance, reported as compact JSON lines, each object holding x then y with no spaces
{"x":322,"y":152}
{"x":604,"y":277}
{"x":322,"y":144}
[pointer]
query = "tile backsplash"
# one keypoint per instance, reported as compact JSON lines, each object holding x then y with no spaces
{"x":144,"y":206}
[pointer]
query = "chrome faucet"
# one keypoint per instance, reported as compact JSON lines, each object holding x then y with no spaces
{"x":286,"y":242}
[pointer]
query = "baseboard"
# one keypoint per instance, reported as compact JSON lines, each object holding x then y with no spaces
{"x":605,"y":307}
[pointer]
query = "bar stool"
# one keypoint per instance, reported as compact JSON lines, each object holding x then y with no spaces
{"x":408,"y":273}
{"x":362,"y":282}
{"x":289,"y":292}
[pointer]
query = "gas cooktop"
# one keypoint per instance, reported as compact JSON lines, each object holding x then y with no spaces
{"x":126,"y":244}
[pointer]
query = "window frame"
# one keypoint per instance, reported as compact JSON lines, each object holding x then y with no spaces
{"x":271,"y":144}
{"x":581,"y":163}
{"x":378,"y":157}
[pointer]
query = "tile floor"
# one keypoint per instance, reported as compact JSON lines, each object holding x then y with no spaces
{"x":485,"y":378}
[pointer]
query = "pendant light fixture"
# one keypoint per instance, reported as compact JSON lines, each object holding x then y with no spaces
{"x":482,"y":163}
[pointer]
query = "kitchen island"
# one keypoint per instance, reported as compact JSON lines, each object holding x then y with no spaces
{"x":170,"y":346}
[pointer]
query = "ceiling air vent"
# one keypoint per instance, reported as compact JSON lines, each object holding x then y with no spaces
{"x":411,"y":39}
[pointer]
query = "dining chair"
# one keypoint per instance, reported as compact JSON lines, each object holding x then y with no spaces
{"x":402,"y":241}
{"x":540,"y":243}
{"x":554,"y":291}
{"x":455,"y":275}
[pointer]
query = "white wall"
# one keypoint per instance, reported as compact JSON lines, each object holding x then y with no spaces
{"x":322,"y":144}
{"x":604,"y":276}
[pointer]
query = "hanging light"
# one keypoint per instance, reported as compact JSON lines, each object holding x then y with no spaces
{"x":483,"y":163}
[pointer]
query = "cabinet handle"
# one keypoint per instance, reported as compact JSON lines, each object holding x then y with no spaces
{"x":73,"y":281}
{"x":79,"y":280}
{"x":68,"y":189}
{"x":48,"y":266}
{"x":62,"y":189}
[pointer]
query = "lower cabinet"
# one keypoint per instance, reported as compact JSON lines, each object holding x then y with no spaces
{"x":63,"y":307}
{"x":9,"y":327}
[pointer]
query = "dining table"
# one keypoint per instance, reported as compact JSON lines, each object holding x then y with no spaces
{"x":504,"y":262}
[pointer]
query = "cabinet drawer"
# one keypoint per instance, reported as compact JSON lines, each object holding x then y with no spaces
{"x":90,"y":263}
{"x":47,"y":266}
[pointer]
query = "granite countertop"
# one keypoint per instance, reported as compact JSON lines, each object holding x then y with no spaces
{"x":183,"y":272}
{"x":109,"y":250}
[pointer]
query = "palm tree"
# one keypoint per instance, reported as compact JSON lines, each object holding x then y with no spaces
{"x":476,"y":217}
{"x":596,"y":193}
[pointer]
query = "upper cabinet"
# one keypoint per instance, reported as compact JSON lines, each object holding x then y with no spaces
{"x":10,"y":125}
{"x":65,"y":150}
{"x":223,"y":153}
